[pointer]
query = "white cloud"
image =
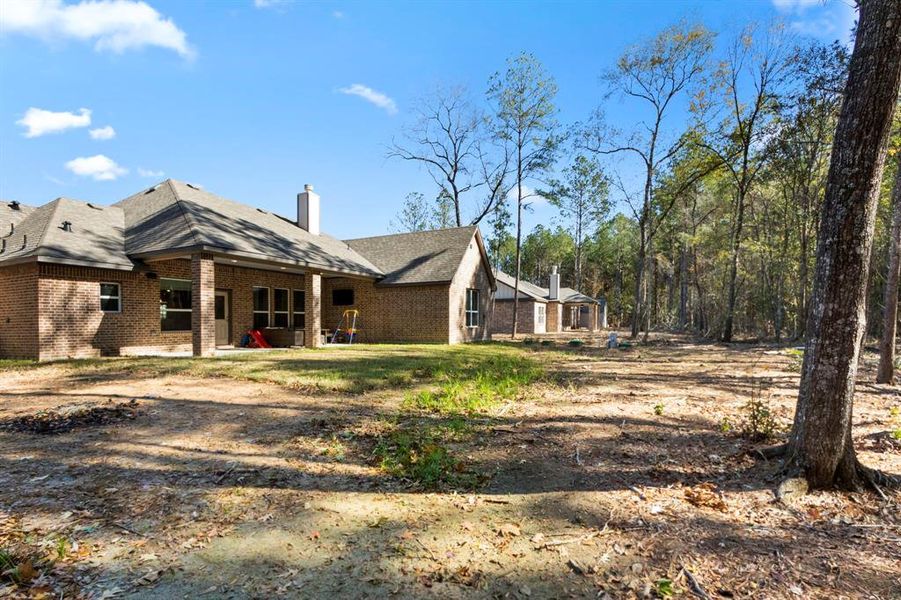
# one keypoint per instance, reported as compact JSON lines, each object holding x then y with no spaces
{"x":38,"y":121}
{"x":270,"y":3}
{"x":103,"y":133}
{"x":826,"y":20}
{"x":338,"y":14}
{"x":529,"y":195}
{"x":98,"y":167}
{"x":795,"y":5}
{"x":379,"y":99}
{"x":150,"y":173}
{"x":114,"y":25}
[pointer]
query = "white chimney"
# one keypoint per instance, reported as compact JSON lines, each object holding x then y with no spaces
{"x":308,"y":210}
{"x":554,"y":286}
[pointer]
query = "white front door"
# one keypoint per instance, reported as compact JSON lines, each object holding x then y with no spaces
{"x":223,"y":320}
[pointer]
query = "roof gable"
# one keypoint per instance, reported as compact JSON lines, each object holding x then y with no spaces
{"x":418,"y":257}
{"x":530,"y":290}
{"x":177,"y":215}
{"x":567,"y":295}
{"x":95,"y":236}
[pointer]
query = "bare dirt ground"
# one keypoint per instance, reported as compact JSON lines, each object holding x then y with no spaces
{"x":620,"y":475}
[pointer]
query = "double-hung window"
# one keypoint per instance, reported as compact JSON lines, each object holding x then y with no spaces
{"x":175,"y":304}
{"x":110,"y":297}
{"x":300,"y":299}
{"x":542,"y":314}
{"x":472,"y":307}
{"x":260,"y":307}
{"x":280,"y":307}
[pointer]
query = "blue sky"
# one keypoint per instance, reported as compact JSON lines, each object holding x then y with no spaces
{"x":249,"y":98}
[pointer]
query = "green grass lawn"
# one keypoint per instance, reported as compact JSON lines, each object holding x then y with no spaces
{"x":350,"y":369}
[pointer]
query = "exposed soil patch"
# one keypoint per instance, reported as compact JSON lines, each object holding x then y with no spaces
{"x":72,"y":416}
{"x":621,"y":474}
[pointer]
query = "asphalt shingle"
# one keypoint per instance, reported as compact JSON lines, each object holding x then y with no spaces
{"x":417,"y":257}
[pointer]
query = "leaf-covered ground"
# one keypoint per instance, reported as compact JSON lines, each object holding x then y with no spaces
{"x":427,"y":471}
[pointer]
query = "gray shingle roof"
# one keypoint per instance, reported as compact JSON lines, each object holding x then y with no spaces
{"x":529,"y":289}
{"x":567,"y":295}
{"x":417,"y":257}
{"x":571,"y":295}
{"x":175,"y":215}
{"x":96,"y":235}
{"x":12,"y":214}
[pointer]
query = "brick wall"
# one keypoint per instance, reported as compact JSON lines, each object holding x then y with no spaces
{"x":473,"y":273}
{"x":414,"y":313}
{"x":502,"y":321}
{"x":554,"y":317}
{"x":53,"y":311}
{"x":19,"y":311}
{"x":203,"y":298}
{"x":390,"y":313}
{"x":240,"y":281}
{"x":71,"y":324}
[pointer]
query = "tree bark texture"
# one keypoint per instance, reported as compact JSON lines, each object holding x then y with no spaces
{"x":886,"y":372}
{"x":820,"y":447}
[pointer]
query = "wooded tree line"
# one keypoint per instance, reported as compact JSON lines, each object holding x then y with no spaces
{"x":717,"y":187}
{"x":765,"y":208}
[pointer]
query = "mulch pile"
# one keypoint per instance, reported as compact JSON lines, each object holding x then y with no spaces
{"x":67,"y":418}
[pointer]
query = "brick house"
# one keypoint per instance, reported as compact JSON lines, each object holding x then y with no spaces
{"x":176,"y":268}
{"x":544,"y":310}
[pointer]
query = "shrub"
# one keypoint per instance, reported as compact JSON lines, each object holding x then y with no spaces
{"x":529,"y":341}
{"x":758,"y":421}
{"x":658,"y":409}
{"x":417,"y":452}
{"x":726,"y":425}
{"x":547,"y":342}
{"x":575,"y":343}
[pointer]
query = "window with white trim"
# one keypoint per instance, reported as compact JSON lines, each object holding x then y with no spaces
{"x":110,"y":297}
{"x":472,"y":307}
{"x":542,"y":314}
{"x":260,"y":307}
{"x":280,"y":310}
{"x":175,"y":304}
{"x":300,"y":310}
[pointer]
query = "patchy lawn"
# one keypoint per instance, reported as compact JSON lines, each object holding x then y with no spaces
{"x":352,"y":369}
{"x":487,"y":470}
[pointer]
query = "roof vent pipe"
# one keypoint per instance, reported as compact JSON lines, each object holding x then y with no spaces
{"x":308,"y":210}
{"x":14,"y":205}
{"x":2,"y":245}
{"x":66,"y":226}
{"x":554,"y":285}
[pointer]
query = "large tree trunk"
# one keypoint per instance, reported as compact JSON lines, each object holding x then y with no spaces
{"x":683,"y":287}
{"x":887,"y":350}
{"x":639,"y":283}
{"x":733,"y":266}
{"x":820,"y":447}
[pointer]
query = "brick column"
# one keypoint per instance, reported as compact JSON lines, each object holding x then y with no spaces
{"x":313,"y":307}
{"x":203,"y":304}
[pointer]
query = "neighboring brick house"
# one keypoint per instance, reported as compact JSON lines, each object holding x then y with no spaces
{"x":543,"y":310}
{"x":176,"y":268}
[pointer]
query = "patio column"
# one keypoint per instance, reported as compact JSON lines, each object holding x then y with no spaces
{"x":203,"y":303}
{"x":312,"y":336}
